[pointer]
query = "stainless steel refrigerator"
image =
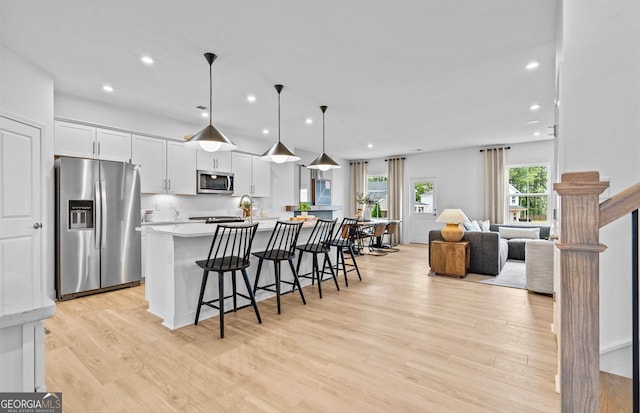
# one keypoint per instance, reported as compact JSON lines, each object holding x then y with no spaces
{"x":97,"y":212}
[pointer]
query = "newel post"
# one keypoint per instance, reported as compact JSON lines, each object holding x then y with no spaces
{"x":580,"y":250}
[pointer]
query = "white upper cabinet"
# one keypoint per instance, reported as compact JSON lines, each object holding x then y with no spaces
{"x":74,"y":140}
{"x":181,"y":169}
{"x":151,"y":155}
{"x":251,"y":175}
{"x":241,"y":173}
{"x":113,"y":145}
{"x":261,"y":173}
{"x":83,"y":141}
{"x":219,"y":161}
{"x":165,"y":166}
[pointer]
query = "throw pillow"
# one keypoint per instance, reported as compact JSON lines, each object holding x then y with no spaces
{"x":528,"y":233}
{"x":484,"y":225}
{"x":471,"y":226}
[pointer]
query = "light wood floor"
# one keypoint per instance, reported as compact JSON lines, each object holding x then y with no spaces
{"x":399,"y":341}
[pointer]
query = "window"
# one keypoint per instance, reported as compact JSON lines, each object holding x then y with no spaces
{"x":378,"y":191}
{"x":528,"y":193}
{"x":424,"y":197}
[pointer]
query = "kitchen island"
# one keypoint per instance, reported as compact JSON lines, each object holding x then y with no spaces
{"x":22,"y":339}
{"x":173,"y":279}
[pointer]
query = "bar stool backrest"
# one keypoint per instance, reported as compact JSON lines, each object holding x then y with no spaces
{"x":282,"y":243}
{"x":321,"y":234}
{"x":231,"y":247}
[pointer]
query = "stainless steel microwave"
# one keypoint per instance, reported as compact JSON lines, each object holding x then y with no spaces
{"x":212,"y":182}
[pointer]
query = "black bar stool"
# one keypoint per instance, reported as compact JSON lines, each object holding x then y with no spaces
{"x":344,"y":241}
{"x":281,"y":247}
{"x":229,"y":252}
{"x":318,"y":243}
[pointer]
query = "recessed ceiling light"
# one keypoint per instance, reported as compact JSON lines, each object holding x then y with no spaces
{"x":265,"y":131}
{"x":370,"y":146}
{"x":535,"y":106}
{"x":204,"y":114}
{"x":308,"y":121}
{"x":532,"y":65}
{"x":147,"y":60}
{"x":107,"y":88}
{"x":536,"y":133}
{"x":533,"y":122}
{"x":251,"y":98}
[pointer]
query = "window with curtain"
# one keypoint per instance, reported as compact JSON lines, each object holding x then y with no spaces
{"x":528,"y":192}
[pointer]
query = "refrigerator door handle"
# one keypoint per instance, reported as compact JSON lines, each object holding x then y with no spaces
{"x":103,"y":208}
{"x":98,"y":215}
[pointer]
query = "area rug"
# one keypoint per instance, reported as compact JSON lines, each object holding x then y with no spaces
{"x":512,"y":275}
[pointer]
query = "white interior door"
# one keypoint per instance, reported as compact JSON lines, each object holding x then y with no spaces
{"x":20,"y":207}
{"x":423,"y":204}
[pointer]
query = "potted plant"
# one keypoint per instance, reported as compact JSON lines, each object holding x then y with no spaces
{"x":304,"y":207}
{"x":367,"y":202}
{"x":246,"y":208}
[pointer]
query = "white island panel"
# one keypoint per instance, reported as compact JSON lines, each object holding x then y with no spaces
{"x":173,"y":278}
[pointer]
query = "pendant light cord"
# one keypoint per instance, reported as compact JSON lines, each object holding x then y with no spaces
{"x":278,"y":116}
{"x":210,"y":93}
{"x":323,"y":151}
{"x":323,"y":108}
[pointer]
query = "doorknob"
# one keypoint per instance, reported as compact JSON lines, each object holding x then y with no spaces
{"x":37,"y":225}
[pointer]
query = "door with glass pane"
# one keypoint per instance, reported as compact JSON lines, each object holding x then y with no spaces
{"x":423,"y":204}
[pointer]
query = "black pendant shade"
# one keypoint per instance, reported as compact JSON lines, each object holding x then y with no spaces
{"x":211,"y":139}
{"x":324,"y":161}
{"x":279,"y":153}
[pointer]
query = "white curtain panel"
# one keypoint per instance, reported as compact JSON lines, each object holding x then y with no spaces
{"x":358,"y":184}
{"x":494,"y":184}
{"x":396,"y":186}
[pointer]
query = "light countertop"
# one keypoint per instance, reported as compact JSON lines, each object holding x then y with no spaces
{"x":24,"y":306}
{"x":196,"y":221}
{"x":200,"y":229}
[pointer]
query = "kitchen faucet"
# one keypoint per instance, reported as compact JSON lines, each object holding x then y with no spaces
{"x":251,"y":210}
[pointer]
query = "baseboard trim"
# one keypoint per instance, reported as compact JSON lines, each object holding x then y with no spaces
{"x":617,"y":358}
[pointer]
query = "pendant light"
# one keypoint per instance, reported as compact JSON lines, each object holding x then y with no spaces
{"x":279,"y":153}
{"x":210,"y":138}
{"x":324,"y":161}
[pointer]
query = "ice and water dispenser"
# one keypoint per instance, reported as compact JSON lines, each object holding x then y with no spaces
{"x":80,"y":214}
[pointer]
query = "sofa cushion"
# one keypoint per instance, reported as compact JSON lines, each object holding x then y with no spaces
{"x":472,"y":226}
{"x":526,"y":233}
{"x":517,"y":248}
{"x":485,"y":225}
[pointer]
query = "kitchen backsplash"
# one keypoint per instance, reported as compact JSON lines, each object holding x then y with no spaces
{"x":165,"y":206}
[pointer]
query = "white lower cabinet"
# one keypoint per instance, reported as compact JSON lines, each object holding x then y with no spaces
{"x":22,"y":358}
{"x":251,"y":175}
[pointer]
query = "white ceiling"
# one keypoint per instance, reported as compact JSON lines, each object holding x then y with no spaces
{"x":401,"y":75}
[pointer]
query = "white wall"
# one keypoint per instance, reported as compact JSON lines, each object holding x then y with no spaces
{"x":26,"y":95}
{"x":460,"y":174}
{"x":600,"y":130}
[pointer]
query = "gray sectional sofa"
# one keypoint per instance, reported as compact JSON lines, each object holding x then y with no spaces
{"x":489,"y":251}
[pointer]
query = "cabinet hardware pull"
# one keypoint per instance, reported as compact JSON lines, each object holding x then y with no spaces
{"x":37,"y":225}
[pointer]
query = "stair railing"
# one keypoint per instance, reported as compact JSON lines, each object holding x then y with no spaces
{"x":582,"y":217}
